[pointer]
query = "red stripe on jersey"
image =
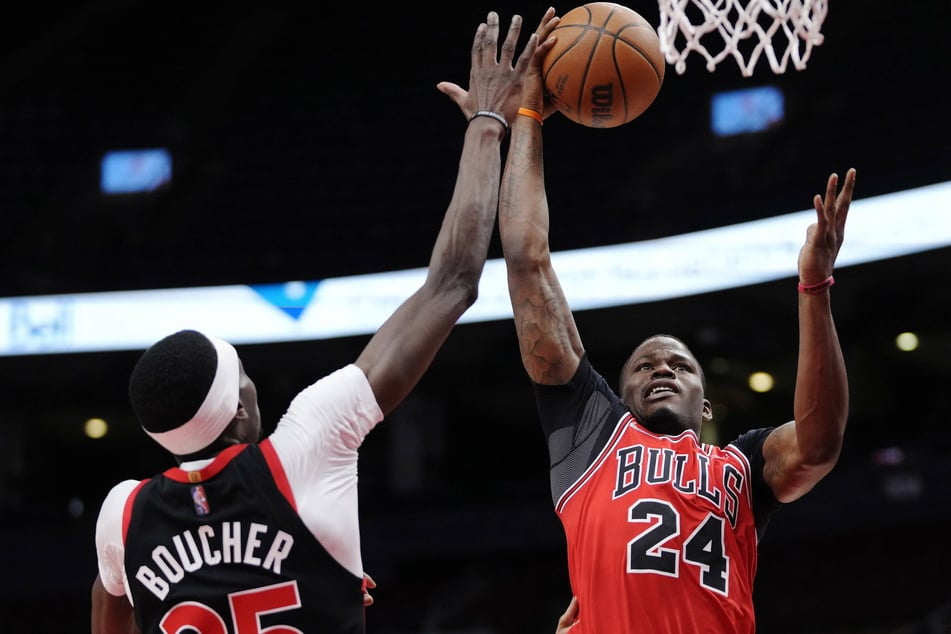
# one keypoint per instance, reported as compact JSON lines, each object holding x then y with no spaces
{"x":220,"y":462}
{"x":127,"y":509}
{"x":277,"y":470}
{"x":746,"y":461}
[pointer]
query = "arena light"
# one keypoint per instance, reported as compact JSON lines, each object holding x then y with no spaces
{"x":747,"y":111}
{"x":135,"y":171}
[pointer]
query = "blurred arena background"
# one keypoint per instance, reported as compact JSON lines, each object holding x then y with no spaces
{"x":311,"y":143}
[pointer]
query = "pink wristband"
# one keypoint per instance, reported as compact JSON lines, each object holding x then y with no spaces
{"x":816,"y":288}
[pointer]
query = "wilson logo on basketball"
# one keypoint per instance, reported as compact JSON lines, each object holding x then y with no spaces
{"x":602,"y":105}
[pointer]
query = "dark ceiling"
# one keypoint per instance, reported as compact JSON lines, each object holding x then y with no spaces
{"x":312,"y":143}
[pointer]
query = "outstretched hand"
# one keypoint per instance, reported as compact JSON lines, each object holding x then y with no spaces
{"x":494,"y":83}
{"x":824,"y":237}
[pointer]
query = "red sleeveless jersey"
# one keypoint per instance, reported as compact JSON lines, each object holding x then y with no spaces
{"x":661,"y":536}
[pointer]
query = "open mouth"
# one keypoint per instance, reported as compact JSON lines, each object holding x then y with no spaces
{"x":659,"y":390}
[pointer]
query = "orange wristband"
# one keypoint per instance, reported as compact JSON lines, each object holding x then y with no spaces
{"x":534,"y":114}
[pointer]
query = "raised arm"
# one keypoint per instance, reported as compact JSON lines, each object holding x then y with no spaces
{"x":403,"y":348}
{"x":801,"y":452}
{"x":549,"y":341}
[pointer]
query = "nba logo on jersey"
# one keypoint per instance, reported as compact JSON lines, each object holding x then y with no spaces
{"x":201,"y":502}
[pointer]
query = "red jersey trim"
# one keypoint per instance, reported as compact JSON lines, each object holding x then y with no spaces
{"x":277,"y":470}
{"x":739,"y":454}
{"x":127,"y":509}
{"x":747,"y":467}
{"x":219,"y":463}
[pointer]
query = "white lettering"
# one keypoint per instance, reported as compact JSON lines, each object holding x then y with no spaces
{"x":202,"y":547}
{"x":253,"y":543}
{"x":166,"y":563}
{"x":280,"y":549}
{"x":211,"y":556}
{"x":189,"y":564}
{"x":231,"y":542}
{"x":665,"y":467}
{"x":152,"y":582}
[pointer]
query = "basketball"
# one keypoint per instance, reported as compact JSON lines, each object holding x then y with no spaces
{"x":606,"y":68}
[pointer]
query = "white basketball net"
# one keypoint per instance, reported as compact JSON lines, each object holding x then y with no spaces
{"x":784,"y":30}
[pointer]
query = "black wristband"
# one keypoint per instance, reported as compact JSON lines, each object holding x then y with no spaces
{"x":491,"y":115}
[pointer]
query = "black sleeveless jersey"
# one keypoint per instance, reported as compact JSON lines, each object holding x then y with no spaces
{"x":223,"y":550}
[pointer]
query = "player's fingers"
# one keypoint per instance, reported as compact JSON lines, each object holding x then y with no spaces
{"x":569,"y":616}
{"x":511,"y":41}
{"x":454,"y":91}
{"x":528,"y":54}
{"x":541,"y":51}
{"x":844,"y":200}
{"x":491,"y":38}
{"x":832,"y":186}
{"x":547,"y":24}
{"x":478,"y":43}
{"x":370,"y":584}
{"x":825,"y":203}
{"x":543,"y":34}
{"x":459,"y":97}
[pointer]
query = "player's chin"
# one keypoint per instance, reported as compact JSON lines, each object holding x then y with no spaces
{"x":662,"y":418}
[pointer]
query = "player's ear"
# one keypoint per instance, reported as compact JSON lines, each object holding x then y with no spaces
{"x":707,"y":411}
